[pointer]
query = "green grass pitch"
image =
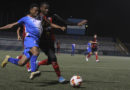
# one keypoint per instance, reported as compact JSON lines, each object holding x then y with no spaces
{"x":112,"y":73}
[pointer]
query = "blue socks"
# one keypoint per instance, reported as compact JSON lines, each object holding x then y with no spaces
{"x":13,"y":60}
{"x":33,"y":63}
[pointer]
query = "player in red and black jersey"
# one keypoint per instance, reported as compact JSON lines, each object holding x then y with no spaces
{"x":94,"y":47}
{"x":47,"y":41}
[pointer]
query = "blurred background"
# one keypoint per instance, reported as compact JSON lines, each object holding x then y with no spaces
{"x":109,"y":19}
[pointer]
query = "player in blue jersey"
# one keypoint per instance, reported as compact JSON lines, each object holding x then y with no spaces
{"x":89,"y":49}
{"x":73,"y":49}
{"x":33,"y":31}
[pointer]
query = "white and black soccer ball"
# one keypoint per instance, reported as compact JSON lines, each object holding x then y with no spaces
{"x":76,"y":81}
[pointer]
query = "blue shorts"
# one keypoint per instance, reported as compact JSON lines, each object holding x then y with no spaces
{"x":30,"y":42}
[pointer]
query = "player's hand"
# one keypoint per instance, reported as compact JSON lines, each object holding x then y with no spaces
{"x":19,"y":38}
{"x":82,"y":22}
{"x":63,"y":28}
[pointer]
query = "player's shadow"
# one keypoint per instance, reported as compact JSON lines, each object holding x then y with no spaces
{"x":48,"y":83}
{"x":44,"y":83}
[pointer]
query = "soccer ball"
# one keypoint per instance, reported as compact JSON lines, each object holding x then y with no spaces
{"x":76,"y":81}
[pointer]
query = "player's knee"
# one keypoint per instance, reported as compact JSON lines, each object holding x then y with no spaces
{"x":35,"y":51}
{"x":21,"y":64}
{"x":54,"y":63}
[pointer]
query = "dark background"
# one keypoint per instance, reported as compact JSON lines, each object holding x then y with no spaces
{"x":108,"y":18}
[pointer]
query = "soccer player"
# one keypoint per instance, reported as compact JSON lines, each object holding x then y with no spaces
{"x":94,"y":48}
{"x":31,"y":41}
{"x":73,"y":49}
{"x":47,"y":41}
{"x":89,"y":49}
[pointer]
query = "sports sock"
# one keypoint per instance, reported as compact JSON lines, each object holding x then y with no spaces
{"x":56,"y":68}
{"x":43,"y":62}
{"x":28,"y":65}
{"x":33,"y":63}
{"x":96,"y":57}
{"x":19,"y":57}
{"x":13,"y":60}
{"x":88,"y":55}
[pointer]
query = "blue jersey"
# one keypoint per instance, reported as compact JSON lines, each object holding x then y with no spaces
{"x":89,"y":47}
{"x":73,"y":46}
{"x":33,"y":26}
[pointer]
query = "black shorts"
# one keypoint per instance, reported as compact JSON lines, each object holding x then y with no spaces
{"x":94,"y":49}
{"x":47,"y":46}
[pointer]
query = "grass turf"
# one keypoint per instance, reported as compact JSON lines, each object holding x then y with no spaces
{"x":112,"y":73}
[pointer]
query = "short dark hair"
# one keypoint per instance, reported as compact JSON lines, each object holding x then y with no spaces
{"x":34,"y":5}
{"x":44,"y":3}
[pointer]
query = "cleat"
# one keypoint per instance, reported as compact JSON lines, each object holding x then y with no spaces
{"x":97,"y":61}
{"x":61,"y":79}
{"x":5,"y":61}
{"x":34,"y":74}
{"x":29,"y":70}
{"x":86,"y":59}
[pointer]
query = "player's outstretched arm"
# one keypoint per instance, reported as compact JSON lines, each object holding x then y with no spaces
{"x":18,"y":34}
{"x":57,"y":27}
{"x":70,"y":23}
{"x":8,"y":26}
{"x":82,"y":22}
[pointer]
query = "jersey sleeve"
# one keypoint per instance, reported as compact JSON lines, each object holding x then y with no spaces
{"x":21,"y":21}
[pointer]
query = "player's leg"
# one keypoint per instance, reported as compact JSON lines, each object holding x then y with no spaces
{"x":32,"y":49}
{"x":31,"y":54}
{"x":96,"y":54}
{"x":73,"y":52}
{"x":88,"y":56}
{"x":23,"y":60}
{"x":44,"y":49}
{"x":89,"y":50}
{"x":53,"y":60}
{"x":19,"y":62}
{"x":50,"y":52}
{"x":35,"y":53}
{"x":27,"y":65}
